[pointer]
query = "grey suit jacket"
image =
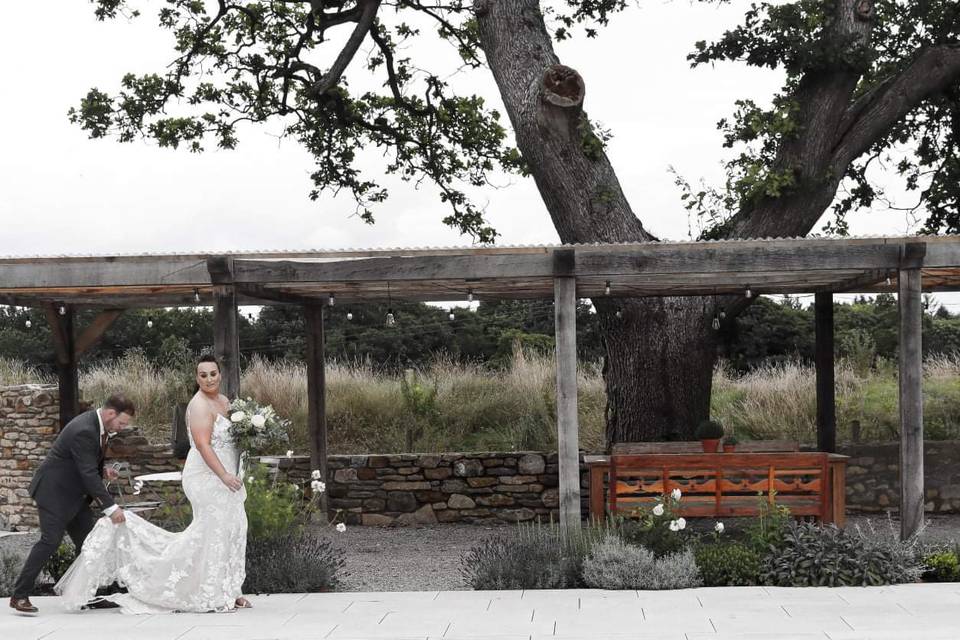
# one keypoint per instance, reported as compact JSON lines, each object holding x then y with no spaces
{"x":72,"y":472}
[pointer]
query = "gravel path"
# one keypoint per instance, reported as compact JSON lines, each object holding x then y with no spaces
{"x":428,"y":558}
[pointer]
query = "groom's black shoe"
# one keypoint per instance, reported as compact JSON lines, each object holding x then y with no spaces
{"x":22,"y":605}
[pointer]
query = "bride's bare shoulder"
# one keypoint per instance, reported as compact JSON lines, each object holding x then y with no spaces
{"x":200,"y":409}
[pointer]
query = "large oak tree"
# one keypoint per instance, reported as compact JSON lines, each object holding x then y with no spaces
{"x":866,"y":81}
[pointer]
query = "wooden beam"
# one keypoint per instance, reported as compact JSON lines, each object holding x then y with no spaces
{"x":95,"y":330}
{"x":226,"y":334}
{"x":316,"y":394}
{"x":568,"y":439}
{"x":273,"y":295}
{"x":68,"y":379}
{"x":824,"y":361}
{"x":911,"y":403}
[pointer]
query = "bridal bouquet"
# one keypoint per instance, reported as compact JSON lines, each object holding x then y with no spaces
{"x":257,"y":430}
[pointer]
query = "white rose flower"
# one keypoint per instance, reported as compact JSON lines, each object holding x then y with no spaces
{"x":718,"y":527}
{"x":258,"y":421}
{"x":674,"y":525}
{"x":658,"y":510}
{"x":315,"y":474}
{"x":675,"y":494}
{"x":341,"y":527}
{"x":294,"y":488}
{"x":681,"y":523}
{"x":289,"y":453}
{"x":318,"y":487}
{"x":237,"y":416}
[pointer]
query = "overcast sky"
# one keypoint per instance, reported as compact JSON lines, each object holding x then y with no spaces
{"x":64,"y":193}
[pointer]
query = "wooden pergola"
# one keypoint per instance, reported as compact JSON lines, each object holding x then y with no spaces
{"x":906,"y":265}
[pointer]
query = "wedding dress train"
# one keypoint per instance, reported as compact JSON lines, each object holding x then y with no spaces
{"x":199,"y":569}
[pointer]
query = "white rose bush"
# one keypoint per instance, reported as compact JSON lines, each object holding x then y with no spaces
{"x":258,"y":430}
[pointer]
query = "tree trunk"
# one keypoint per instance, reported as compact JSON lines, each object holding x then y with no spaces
{"x":660,"y":353}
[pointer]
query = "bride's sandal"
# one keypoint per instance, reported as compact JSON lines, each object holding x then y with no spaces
{"x":243,"y":603}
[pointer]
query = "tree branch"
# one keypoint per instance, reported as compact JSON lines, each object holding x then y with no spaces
{"x":332,"y":77}
{"x":870,"y":117}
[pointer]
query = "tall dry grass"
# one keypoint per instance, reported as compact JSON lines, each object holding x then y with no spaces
{"x":15,"y":372}
{"x":451,"y":406}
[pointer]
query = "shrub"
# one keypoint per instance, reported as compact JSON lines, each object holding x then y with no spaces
{"x":811,"y":555}
{"x":942,"y":566}
{"x":272,"y":508}
{"x":657,"y":528}
{"x":728,"y":565}
{"x":60,"y":561}
{"x":709,"y":430}
{"x":768,"y":528}
{"x":533,"y":557}
{"x":292,"y":563}
{"x":614,"y":564}
{"x":9,"y":570}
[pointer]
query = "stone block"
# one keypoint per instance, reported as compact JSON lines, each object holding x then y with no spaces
{"x":516,"y":515}
{"x":366,"y":473}
{"x":429,"y":462}
{"x":467,"y":468}
{"x":423,"y":515}
{"x":482,"y":482}
{"x":448,"y":516}
{"x":375,"y":520}
{"x":345,"y":475}
{"x":460,"y":501}
{"x":374,"y":504}
{"x":406,"y":486}
{"x":496,"y":500}
{"x":531,"y":464}
{"x":453,"y":486}
{"x":430,"y":496}
{"x":500,"y":471}
{"x":517,"y":479}
{"x":441,"y":473}
{"x":403,"y":501}
{"x":550,"y":498}
{"x":379,"y":461}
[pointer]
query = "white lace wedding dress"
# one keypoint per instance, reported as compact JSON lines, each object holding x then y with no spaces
{"x":199,"y":569}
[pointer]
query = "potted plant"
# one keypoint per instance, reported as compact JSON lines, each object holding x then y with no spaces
{"x":709,"y":433}
{"x":730,"y":443}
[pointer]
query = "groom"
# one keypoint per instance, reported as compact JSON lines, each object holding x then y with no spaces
{"x":69,"y":479}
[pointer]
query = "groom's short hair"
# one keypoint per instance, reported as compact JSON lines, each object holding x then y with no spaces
{"x":121,"y":404}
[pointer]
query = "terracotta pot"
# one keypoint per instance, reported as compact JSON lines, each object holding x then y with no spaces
{"x":710,"y":445}
{"x":729,"y":448}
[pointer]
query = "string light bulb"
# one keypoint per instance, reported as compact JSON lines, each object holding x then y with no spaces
{"x":619,"y":313}
{"x":28,"y":324}
{"x":469,"y":295}
{"x":606,"y":288}
{"x":748,"y":294}
{"x":331,"y":300}
{"x":349,"y":315}
{"x":452,"y":316}
{"x":62,"y":310}
{"x":723,"y":314}
{"x":149,"y":323}
{"x":888,"y":281}
{"x":716,"y":323}
{"x":391,"y":321}
{"x":196,"y":295}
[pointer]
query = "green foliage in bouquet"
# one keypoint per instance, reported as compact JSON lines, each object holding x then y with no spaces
{"x":257,"y":429}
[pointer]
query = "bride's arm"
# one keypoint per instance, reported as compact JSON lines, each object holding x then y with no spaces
{"x":201,"y":427}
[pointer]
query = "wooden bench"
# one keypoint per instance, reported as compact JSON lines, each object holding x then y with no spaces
{"x":721,"y":484}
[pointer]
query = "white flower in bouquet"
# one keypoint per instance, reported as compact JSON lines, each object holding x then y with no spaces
{"x":718,"y":527}
{"x":341,"y":527}
{"x":318,"y":486}
{"x":237,"y":416}
{"x":674,"y":525}
{"x":658,"y":510}
{"x":681,"y":523}
{"x":315,"y":474}
{"x":258,"y":421}
{"x":675,"y":494}
{"x":289,"y":453}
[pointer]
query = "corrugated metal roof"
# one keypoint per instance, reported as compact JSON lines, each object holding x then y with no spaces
{"x":266,"y":253}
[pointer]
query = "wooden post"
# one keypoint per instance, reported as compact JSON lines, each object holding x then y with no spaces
{"x":61,"y":328}
{"x":316,"y":394}
{"x":911,"y":403}
{"x":826,"y":393}
{"x":226,"y":335}
{"x":565,"y":308}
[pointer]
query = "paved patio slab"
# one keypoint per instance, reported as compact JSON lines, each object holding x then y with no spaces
{"x":902,"y":612}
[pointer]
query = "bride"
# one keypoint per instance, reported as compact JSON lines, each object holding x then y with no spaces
{"x":199,"y":569}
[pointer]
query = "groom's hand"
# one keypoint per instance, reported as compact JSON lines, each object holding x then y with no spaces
{"x":110,"y":474}
{"x":117,"y":517}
